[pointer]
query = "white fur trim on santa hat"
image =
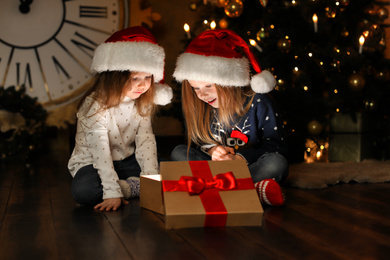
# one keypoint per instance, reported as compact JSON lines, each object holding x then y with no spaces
{"x":163,"y":95}
{"x":214,"y":69}
{"x":263,"y":82}
{"x":129,"y":56}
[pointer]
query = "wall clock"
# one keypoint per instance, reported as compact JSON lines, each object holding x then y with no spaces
{"x":47,"y":46}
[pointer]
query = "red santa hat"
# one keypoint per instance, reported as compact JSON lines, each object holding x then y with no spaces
{"x":214,"y":56}
{"x":134,"y":49}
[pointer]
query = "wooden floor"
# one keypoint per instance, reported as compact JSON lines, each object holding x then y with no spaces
{"x":40,"y":220}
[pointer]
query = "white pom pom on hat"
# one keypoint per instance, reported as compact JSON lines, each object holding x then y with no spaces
{"x":214,"y":56}
{"x":134,"y":49}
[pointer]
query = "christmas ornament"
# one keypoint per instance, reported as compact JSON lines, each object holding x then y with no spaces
{"x":356,"y":82}
{"x":382,"y":13}
{"x":193,"y":6}
{"x":263,"y":2}
{"x":223,"y":23}
{"x":262,"y":34}
{"x":234,"y":8}
{"x":284,"y":45}
{"x":314,"y":127}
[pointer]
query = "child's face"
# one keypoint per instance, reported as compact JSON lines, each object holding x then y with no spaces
{"x":206,"y":92}
{"x":140,"y":82}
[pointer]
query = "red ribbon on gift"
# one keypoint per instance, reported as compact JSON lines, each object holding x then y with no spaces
{"x":196,"y":185}
{"x":239,"y":135}
{"x":203,"y":183}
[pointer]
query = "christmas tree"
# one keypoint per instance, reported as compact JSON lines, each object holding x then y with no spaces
{"x":326,"y":55}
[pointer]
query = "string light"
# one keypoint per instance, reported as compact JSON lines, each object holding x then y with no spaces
{"x":254,"y":44}
{"x":315,"y":22}
{"x":187,"y":30}
{"x":213,"y":25}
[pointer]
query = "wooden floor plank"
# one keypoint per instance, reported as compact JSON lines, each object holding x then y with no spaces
{"x":145,"y":237}
{"x":336,"y":225}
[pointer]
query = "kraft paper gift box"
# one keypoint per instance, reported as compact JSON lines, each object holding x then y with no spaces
{"x":223,"y":194}
{"x":150,"y":193}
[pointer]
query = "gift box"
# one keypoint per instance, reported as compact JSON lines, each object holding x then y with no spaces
{"x":351,"y":137}
{"x":209,"y":194}
{"x":355,"y":123}
{"x":151,"y":194}
{"x":350,"y":147}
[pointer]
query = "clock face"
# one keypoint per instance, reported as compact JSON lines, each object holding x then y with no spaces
{"x":47,"y":46}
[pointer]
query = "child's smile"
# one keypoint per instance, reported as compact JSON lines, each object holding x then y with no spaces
{"x":206,"y":92}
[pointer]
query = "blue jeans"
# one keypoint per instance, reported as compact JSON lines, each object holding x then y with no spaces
{"x":87,"y":186}
{"x":267,"y":166}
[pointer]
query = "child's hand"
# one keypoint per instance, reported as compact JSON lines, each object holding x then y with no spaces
{"x":111,"y":204}
{"x":221,"y":153}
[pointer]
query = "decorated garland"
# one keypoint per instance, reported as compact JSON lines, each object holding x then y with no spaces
{"x":22,"y":125}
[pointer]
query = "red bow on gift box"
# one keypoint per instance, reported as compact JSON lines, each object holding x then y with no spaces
{"x":239,"y":135}
{"x":196,"y":185}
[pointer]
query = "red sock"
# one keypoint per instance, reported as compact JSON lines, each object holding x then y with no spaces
{"x":269,"y":192}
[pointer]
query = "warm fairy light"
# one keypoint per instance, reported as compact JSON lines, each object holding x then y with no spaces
{"x":213,"y":24}
{"x":187,"y":30}
{"x":296,"y":69}
{"x":205,"y":22}
{"x":335,"y":91}
{"x":366,"y":33}
{"x":318,"y":155}
{"x":272,"y":26}
{"x":322,"y":147}
{"x":315,"y":22}
{"x":286,"y":37}
{"x":254,"y":44}
{"x":310,"y":54}
{"x":321,"y":63}
{"x":305,"y":88}
{"x":337,"y":110}
{"x":361,"y":43}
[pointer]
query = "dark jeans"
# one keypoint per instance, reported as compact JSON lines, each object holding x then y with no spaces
{"x":87,"y":186}
{"x":267,"y":166}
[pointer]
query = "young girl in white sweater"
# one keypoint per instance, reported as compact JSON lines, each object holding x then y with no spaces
{"x":114,"y":139}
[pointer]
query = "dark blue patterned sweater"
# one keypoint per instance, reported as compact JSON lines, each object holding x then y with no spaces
{"x":259,"y":131}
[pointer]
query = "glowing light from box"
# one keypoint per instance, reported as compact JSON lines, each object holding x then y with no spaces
{"x":156,"y":177}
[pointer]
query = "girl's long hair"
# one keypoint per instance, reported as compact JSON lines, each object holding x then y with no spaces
{"x":110,"y":87}
{"x":198,"y":115}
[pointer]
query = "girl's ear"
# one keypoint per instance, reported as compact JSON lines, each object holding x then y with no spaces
{"x":163,"y":95}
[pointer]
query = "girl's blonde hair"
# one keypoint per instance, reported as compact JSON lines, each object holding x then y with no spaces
{"x":110,"y":87}
{"x":198,"y":115}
